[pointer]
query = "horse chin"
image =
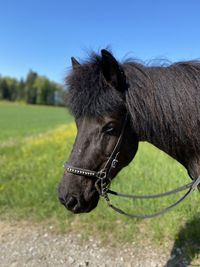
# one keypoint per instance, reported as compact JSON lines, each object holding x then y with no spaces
{"x":88,"y":205}
{"x":92,"y":204}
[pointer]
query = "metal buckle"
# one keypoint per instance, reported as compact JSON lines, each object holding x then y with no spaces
{"x":101,"y":175}
{"x":114,"y":163}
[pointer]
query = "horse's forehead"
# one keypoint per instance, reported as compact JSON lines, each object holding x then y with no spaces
{"x":89,"y":123}
{"x":95,"y":121}
{"x":89,"y":127}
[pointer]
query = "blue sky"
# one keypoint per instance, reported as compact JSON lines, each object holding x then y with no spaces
{"x":43,"y":35}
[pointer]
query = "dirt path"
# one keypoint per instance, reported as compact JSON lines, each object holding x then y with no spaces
{"x":23,"y":245}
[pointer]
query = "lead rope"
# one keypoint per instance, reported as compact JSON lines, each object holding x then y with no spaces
{"x":105,"y":191}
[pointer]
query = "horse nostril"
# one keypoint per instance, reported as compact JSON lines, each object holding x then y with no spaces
{"x":62,"y":200}
{"x":71,"y":202}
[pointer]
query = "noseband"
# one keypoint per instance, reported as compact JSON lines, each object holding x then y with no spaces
{"x":103,"y":181}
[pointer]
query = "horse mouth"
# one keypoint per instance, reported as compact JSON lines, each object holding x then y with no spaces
{"x":80,"y":204}
{"x":91,"y":203}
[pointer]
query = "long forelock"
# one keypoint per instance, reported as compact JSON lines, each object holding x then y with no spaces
{"x":88,"y":92}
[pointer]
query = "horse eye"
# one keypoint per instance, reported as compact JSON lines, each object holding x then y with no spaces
{"x":109,"y":129}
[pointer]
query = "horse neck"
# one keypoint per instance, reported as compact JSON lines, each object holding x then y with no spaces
{"x":151,"y":101}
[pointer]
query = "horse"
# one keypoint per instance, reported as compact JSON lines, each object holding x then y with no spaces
{"x":116,"y":106}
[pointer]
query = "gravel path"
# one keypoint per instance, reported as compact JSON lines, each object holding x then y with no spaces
{"x":33,"y":246}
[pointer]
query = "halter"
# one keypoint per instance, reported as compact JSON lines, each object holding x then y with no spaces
{"x":103,"y":181}
{"x":103,"y":176}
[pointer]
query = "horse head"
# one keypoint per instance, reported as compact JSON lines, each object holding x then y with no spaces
{"x":97,"y":99}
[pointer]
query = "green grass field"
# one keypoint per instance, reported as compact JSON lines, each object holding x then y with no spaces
{"x":22,"y":120}
{"x":35,"y":141}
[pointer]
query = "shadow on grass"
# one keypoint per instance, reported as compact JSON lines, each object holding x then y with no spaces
{"x":187,"y":245}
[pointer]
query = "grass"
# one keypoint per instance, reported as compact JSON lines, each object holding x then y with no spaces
{"x":31,"y":167}
{"x":17,"y":121}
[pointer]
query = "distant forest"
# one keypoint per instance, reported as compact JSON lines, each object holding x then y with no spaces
{"x":35,"y":89}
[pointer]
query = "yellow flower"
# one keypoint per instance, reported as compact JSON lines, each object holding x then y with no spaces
{"x":58,"y":135}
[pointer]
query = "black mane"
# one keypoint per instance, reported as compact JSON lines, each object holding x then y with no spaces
{"x":163,"y":101}
{"x":88,"y":92}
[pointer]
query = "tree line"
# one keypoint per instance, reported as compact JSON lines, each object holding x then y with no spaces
{"x":34,"y":89}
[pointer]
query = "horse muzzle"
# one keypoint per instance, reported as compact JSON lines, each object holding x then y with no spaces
{"x":78,"y":202}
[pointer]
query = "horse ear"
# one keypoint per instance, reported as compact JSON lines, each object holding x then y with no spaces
{"x":110,"y":69}
{"x":75,"y":63}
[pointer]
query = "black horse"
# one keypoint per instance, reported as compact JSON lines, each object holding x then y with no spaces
{"x":159,"y":104}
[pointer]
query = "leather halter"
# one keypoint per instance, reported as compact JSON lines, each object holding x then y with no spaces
{"x":103,"y":181}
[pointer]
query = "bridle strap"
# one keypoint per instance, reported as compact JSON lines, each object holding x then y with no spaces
{"x":79,"y":171}
{"x":148,"y":216}
{"x":192,"y":186}
{"x":132,"y":196}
